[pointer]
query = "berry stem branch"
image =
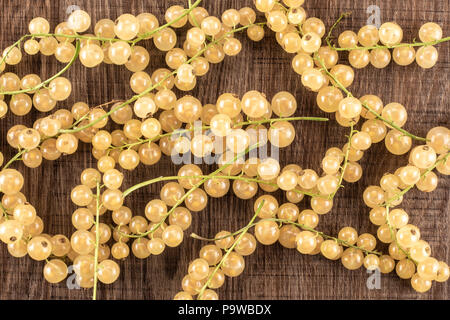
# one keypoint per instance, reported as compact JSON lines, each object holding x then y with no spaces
{"x":146,"y":91}
{"x":365,"y":105}
{"x":99,"y":106}
{"x":184,"y":14}
{"x":424,"y":174}
{"x":240,"y":178}
{"x":301,"y":226}
{"x":22,"y":151}
{"x":389,"y":202}
{"x":195,"y":187}
{"x":4,"y":212}
{"x":216,"y":41}
{"x":44,"y":83}
{"x":347,"y":154}
{"x":15,"y":44}
{"x":97,"y":241}
{"x":194,"y":20}
{"x":70,"y":36}
{"x":394,"y":238}
{"x":229,"y":250}
{"x":400,"y":45}
{"x":281,"y":119}
{"x":168,"y":134}
{"x":193,"y":128}
{"x":329,"y":35}
{"x":16,"y":157}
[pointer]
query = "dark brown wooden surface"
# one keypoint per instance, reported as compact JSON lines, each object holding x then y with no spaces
{"x":272,"y":272}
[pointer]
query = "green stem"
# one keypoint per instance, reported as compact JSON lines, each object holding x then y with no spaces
{"x":168,"y":134}
{"x":4,"y":212}
{"x":240,"y":178}
{"x":349,"y":94}
{"x":400,"y":45}
{"x":16,"y":157}
{"x":98,"y":106}
{"x":192,"y":128}
{"x":327,"y":39}
{"x":394,"y":238}
{"x":185,"y":13}
{"x":97,"y":241}
{"x":347,"y":154}
{"x":216,"y":41}
{"x":389,"y":202}
{"x":229,"y":250}
{"x":257,"y":122}
{"x":195,"y":187}
{"x":194,"y":20}
{"x":77,"y":36}
{"x":424,"y":174}
{"x":15,"y":44}
{"x":42,"y":84}
{"x":301,"y":226}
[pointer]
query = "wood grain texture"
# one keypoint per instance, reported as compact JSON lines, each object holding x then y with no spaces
{"x":272,"y":272}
